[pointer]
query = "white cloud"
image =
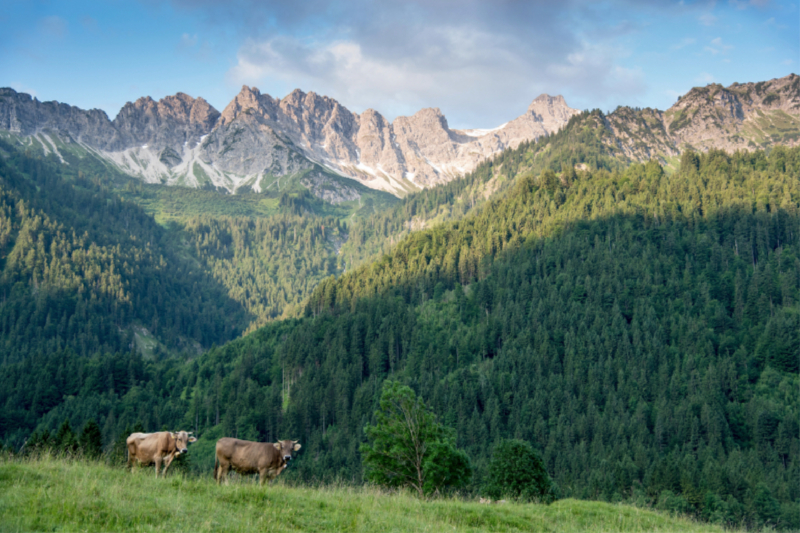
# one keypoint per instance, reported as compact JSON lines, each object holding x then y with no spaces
{"x":22,"y":88}
{"x":471,"y":74}
{"x":707,"y":19}
{"x":718,"y":47}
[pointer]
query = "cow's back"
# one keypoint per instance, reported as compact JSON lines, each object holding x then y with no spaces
{"x":146,"y":446}
{"x":247,"y":456}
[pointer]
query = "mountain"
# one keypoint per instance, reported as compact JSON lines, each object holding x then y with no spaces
{"x":738,"y":117}
{"x":257,"y":141}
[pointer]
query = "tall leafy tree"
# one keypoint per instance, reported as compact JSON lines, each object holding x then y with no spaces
{"x":408,"y":447}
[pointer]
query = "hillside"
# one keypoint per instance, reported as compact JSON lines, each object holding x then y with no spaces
{"x":639,"y":328}
{"x":93,"y":497}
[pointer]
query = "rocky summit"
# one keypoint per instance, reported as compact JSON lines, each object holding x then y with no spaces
{"x":258,"y":139}
{"x":742,"y":116}
{"x":180,"y":140}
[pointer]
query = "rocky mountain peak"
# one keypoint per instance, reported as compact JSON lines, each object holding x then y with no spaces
{"x":169,"y":122}
{"x":249,"y":98}
{"x":546,"y":108}
{"x":430,"y":117}
{"x":547,"y":100}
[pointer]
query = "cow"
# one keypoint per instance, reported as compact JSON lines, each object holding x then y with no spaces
{"x":148,"y":448}
{"x":268,"y":459}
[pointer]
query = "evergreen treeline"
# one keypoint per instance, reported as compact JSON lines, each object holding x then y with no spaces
{"x":641,"y":330}
{"x":581,"y":142}
{"x":269,"y":265}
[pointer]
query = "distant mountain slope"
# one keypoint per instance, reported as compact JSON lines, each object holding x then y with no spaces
{"x":83,"y":271}
{"x":739,"y":117}
{"x":257,"y":140}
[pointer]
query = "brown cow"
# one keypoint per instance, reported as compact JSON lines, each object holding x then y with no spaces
{"x":245,"y":457}
{"x":150,"y":448}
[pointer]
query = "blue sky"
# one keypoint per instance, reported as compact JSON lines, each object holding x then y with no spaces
{"x":481,"y":62}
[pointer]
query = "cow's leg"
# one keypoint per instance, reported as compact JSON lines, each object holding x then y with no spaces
{"x":131,"y":457}
{"x":222,"y":473}
{"x":158,"y":465}
{"x":263,"y":475}
{"x":167,"y":462}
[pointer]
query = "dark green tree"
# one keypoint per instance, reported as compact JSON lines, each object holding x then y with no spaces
{"x":410,"y":448}
{"x":766,"y":506}
{"x":65,"y":440}
{"x":91,"y":440}
{"x":516,"y":471}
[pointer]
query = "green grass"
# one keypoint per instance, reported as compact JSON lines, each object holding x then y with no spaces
{"x":63,"y":495}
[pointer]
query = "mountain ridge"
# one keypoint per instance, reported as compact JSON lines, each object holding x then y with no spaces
{"x":257,"y":140}
{"x":180,"y":140}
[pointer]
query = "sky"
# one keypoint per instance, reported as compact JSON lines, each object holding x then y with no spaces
{"x":481,"y":62}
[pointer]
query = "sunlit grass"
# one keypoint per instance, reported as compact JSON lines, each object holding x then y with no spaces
{"x":50,"y":494}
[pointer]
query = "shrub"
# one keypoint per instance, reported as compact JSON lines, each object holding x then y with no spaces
{"x":516,"y":471}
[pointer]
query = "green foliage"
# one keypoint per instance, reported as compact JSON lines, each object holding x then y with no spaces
{"x":66,"y":441}
{"x":269,"y":265}
{"x":634,"y":326}
{"x":91,"y":440}
{"x":766,"y":507}
{"x":517,"y":472}
{"x":409,"y":448}
{"x":83,"y":269}
{"x":583,"y":141}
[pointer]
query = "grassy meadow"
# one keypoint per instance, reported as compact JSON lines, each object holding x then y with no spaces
{"x":48,"y":494}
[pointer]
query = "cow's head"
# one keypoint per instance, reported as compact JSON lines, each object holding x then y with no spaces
{"x":182,"y":440}
{"x":285,"y":448}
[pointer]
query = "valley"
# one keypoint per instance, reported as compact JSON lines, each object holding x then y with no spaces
{"x":621,"y":290}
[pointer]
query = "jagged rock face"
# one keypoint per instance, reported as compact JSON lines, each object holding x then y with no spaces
{"x":322,"y":186}
{"x":184,"y":140}
{"x":257,"y":135}
{"x":248,"y":146}
{"x":738,"y":117}
{"x":410,"y":153}
{"x":23,"y":115}
{"x":173,"y":122}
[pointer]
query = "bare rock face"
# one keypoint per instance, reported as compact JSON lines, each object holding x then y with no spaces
{"x":26,"y":116}
{"x":739,"y":117}
{"x":184,"y":140}
{"x":172,"y":122}
{"x":246,"y":140}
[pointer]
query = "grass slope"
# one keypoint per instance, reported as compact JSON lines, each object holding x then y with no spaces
{"x":60,"y":495}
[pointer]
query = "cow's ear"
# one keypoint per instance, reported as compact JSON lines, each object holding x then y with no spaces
{"x":297,"y":446}
{"x":192,"y":439}
{"x":277,"y":445}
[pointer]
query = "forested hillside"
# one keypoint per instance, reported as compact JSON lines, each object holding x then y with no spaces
{"x":82,"y":268}
{"x":272,"y":264}
{"x":580,"y":144}
{"x":642,"y":330}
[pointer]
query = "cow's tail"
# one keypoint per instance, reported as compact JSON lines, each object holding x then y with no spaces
{"x":216,"y":466}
